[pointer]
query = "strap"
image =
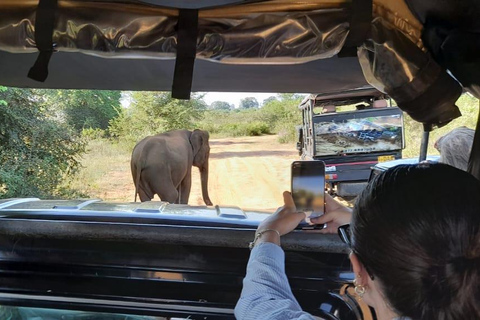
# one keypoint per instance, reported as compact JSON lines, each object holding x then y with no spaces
{"x":360,"y":21}
{"x":44,"y":24}
{"x":187,"y":33}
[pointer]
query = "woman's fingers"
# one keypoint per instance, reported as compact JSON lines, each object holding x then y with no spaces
{"x":324,"y":218}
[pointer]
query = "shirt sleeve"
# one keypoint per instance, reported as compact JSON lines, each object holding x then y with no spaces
{"x":266,"y":292}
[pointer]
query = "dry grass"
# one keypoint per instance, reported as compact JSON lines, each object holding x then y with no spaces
{"x":103,"y":172}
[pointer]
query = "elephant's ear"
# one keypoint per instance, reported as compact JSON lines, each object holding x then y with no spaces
{"x":196,"y":140}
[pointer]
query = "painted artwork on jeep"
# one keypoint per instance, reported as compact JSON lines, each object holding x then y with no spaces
{"x":359,"y":135}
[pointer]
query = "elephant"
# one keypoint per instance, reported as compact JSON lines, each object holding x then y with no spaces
{"x":162,"y":165}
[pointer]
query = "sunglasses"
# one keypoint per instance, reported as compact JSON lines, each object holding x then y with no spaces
{"x":345,"y":234}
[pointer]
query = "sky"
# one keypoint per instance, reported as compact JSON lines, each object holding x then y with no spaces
{"x":235,"y":97}
{"x":230,"y":97}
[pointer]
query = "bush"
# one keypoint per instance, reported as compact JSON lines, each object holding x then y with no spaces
{"x":286,"y":132}
{"x":244,"y":129}
{"x":93,"y":134}
{"x":36,"y":150}
{"x":257,"y":128}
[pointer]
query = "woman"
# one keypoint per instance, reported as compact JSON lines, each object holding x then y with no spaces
{"x":415,"y":248}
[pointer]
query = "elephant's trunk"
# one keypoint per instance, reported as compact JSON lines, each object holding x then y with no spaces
{"x":204,"y":178}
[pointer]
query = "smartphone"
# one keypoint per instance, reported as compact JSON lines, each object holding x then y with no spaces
{"x":308,"y":187}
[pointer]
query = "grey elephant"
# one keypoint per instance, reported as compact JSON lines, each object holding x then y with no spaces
{"x":162,"y":165}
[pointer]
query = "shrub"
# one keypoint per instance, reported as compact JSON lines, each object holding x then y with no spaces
{"x":286,"y":133}
{"x":257,"y":128}
{"x":244,"y":129}
{"x":93,"y":134}
{"x":36,"y":150}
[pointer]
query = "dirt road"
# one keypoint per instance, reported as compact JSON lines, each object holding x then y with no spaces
{"x":248,"y":172}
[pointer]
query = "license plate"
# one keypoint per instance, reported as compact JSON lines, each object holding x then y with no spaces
{"x":386,"y":158}
{"x":330,"y":169}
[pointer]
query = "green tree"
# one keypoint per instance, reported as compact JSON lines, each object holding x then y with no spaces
{"x":269,"y":99}
{"x":84,"y":109}
{"x":282,"y":114}
{"x":36,"y":150}
{"x":154,"y":112}
{"x":249,"y":103}
{"x":221,"y":105}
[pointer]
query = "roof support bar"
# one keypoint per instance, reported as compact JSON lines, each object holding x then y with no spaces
{"x":360,"y":20}
{"x":424,"y":146}
{"x":44,"y":25}
{"x":474,"y":161}
{"x":187,"y":33}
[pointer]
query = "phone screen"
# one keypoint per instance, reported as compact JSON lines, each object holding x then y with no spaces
{"x":308,"y":187}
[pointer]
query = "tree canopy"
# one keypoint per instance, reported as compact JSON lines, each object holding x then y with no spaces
{"x":155,"y":112}
{"x":83,"y":109}
{"x":249,"y":103}
{"x":221,"y":105}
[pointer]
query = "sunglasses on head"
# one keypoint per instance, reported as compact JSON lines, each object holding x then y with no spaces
{"x":345,"y":234}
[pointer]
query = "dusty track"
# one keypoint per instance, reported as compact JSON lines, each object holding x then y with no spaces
{"x":248,"y":172}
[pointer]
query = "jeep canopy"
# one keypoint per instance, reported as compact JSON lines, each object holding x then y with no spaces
{"x":404,"y":48}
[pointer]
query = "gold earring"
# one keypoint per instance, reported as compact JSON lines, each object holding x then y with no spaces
{"x":359,"y":289}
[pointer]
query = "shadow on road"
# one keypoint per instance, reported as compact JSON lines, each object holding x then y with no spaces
{"x":246,"y":154}
{"x":226,"y":143}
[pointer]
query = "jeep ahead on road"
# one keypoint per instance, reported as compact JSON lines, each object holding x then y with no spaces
{"x":351,"y":132}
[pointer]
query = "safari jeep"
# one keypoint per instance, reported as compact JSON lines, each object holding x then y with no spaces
{"x":78,"y":259}
{"x":350,"y":141}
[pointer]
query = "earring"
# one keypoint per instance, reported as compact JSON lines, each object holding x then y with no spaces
{"x":359,"y":289}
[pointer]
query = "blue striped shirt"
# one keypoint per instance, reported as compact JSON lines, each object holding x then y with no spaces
{"x":266,"y":292}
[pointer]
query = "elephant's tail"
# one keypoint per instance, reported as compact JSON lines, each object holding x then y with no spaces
{"x":137,"y":182}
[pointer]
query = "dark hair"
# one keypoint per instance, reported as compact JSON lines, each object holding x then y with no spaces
{"x":416,"y":229}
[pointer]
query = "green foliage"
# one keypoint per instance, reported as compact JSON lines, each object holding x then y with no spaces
{"x":93,"y":134}
{"x":36,"y":150}
{"x":269,"y":99}
{"x":248,"y":103}
{"x":154,"y":112}
{"x":82,"y":109}
{"x":282,"y":114}
{"x":221,"y":105}
{"x":255,"y":128}
{"x":279,"y":114}
{"x":469,"y":107}
{"x":3,"y":102}
{"x":229,"y":123}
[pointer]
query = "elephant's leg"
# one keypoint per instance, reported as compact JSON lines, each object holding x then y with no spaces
{"x":185,"y":187}
{"x":153,"y":183}
{"x":165,"y":190}
{"x":144,"y":196}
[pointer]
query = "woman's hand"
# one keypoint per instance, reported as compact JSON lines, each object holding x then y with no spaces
{"x":284,"y":220}
{"x":335,"y":215}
